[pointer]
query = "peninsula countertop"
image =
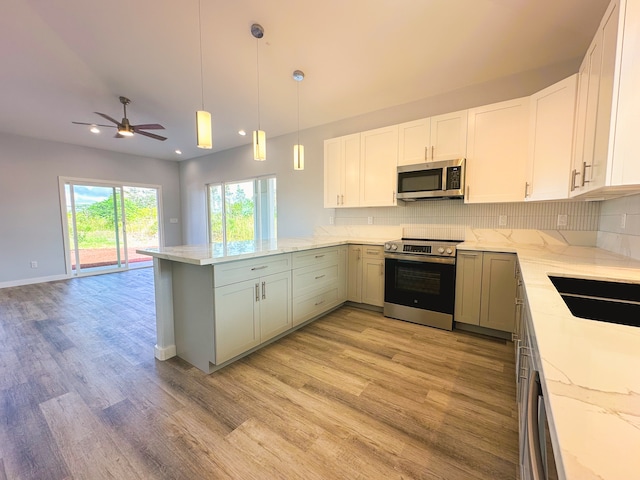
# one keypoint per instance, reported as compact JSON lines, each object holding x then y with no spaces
{"x":212,"y":253}
{"x":590,"y":369}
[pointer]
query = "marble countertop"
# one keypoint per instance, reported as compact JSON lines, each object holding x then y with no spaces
{"x":212,"y":253}
{"x":590,"y":370}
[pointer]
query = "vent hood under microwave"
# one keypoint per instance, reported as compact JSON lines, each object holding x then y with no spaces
{"x":431,"y":181}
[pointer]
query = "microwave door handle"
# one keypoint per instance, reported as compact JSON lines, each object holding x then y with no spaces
{"x":444,"y":179}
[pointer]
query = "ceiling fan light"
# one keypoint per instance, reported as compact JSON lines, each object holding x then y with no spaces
{"x":94,"y":129}
{"x":125,"y":131}
{"x":259,"y":145}
{"x":298,"y":157}
{"x":203,"y":129}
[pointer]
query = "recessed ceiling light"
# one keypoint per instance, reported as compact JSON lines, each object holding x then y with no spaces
{"x":179,"y":152}
{"x":94,"y":129}
{"x":242,"y":132}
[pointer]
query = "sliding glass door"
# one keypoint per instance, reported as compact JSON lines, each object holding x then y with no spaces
{"x":107,"y":223}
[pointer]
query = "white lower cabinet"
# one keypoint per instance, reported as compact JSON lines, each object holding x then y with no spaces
{"x":251,"y":312}
{"x":486,"y":289}
{"x":366,"y":275}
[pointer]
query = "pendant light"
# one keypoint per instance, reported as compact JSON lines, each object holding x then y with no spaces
{"x":203,"y":118}
{"x":298,"y":149}
{"x":259,"y":137}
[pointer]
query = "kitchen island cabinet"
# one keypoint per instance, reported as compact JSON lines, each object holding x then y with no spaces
{"x":215,"y":305}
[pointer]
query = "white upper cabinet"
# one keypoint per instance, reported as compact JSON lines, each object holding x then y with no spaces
{"x":413,"y":140}
{"x":551,"y":141}
{"x":605,"y":153}
{"x":378,"y":164}
{"x":442,"y":137}
{"x":497,"y":148}
{"x":342,"y":171}
{"x":449,"y":136}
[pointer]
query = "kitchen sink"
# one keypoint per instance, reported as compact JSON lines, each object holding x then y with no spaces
{"x":605,"y":301}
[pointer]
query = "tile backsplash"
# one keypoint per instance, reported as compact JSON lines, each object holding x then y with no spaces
{"x":619,"y":228}
{"x":577,"y":216}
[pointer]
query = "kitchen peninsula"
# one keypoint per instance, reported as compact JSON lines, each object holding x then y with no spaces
{"x":216,"y":303}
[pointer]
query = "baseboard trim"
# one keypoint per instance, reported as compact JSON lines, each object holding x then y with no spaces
{"x":165,"y":353}
{"x":30,"y":281}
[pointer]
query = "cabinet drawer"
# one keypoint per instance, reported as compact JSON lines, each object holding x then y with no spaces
{"x":312,"y":279}
{"x":241,"y":270}
{"x":317,"y":256}
{"x":309,"y":306}
{"x":372,"y":251}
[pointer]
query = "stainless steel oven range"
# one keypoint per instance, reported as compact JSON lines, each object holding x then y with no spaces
{"x":419,"y":283}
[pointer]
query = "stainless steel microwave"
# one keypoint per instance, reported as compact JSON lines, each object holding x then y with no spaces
{"x":427,"y":181}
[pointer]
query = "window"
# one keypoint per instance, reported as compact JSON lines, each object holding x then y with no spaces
{"x":242,"y":212}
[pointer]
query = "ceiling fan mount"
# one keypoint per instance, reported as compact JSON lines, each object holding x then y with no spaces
{"x":125,"y":128}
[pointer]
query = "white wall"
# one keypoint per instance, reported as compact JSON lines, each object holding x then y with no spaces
{"x":30,"y":211}
{"x":612,"y":235}
{"x":300,"y":194}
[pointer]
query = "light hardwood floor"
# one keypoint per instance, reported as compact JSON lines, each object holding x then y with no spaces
{"x":353,"y":395}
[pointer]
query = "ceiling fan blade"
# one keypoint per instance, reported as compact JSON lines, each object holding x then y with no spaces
{"x":96,"y":124}
{"x":104,"y":115}
{"x":151,"y":135}
{"x":148,"y":126}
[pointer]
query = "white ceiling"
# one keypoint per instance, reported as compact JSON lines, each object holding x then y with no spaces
{"x":63,"y":60}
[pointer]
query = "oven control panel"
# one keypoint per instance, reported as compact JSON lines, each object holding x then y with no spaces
{"x":422,"y":247}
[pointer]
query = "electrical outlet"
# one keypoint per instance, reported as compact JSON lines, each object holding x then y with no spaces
{"x":370,"y":220}
{"x":173,"y":220}
{"x":502,"y":221}
{"x":623,"y":221}
{"x":562,"y":220}
{"x":331,"y":220}
{"x":34,"y":264}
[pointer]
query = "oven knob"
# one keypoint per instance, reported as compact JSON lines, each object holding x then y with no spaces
{"x":441,"y":250}
{"x":394,"y":246}
{"x":449,"y":251}
{"x":387,"y":246}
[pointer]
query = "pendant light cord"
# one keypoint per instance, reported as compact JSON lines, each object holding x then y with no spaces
{"x":258,"y":76}
{"x":201,"y":62}
{"x":298,"y":90}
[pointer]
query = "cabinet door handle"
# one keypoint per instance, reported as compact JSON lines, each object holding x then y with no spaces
{"x":584,"y":173}
{"x":381,"y":269}
{"x":342,"y":199}
{"x":337,"y":199}
{"x":526,"y":189}
{"x":426,"y":153}
{"x":319,"y":277}
{"x":533,"y":428}
{"x":433,"y":152}
{"x":468,"y":194}
{"x":264,"y":291}
{"x":260,"y":268}
{"x":574,"y":174}
{"x":257,"y":293}
{"x":320,"y":256}
{"x":373,"y":252}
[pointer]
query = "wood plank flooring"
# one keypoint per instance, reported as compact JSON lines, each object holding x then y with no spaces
{"x":353,"y":395}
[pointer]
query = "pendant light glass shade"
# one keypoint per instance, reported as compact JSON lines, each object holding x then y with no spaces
{"x":203,"y":129}
{"x":259,"y":145}
{"x":298,"y":157}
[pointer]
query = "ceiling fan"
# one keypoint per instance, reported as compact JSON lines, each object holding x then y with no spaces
{"x":125,"y":129}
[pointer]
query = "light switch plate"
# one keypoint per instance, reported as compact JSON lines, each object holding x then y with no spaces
{"x":502,"y":221}
{"x":370,"y":220}
{"x":623,"y":221}
{"x":173,"y":220}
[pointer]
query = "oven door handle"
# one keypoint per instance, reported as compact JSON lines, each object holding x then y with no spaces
{"x":421,"y":258}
